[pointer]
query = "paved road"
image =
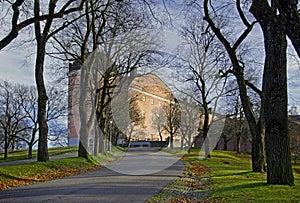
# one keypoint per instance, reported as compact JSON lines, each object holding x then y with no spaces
{"x":106,"y":185}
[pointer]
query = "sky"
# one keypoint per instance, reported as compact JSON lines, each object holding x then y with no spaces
{"x":14,"y":67}
{"x":17,"y":63}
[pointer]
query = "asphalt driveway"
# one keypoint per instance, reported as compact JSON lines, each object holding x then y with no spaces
{"x":136,"y":178}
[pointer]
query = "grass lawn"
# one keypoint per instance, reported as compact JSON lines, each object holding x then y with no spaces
{"x":29,"y":173}
{"x":231,"y":180}
{"x":23,"y":154}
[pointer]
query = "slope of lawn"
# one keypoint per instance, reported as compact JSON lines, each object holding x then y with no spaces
{"x":23,"y":154}
{"x":29,"y":173}
{"x":225,"y":177}
{"x":233,"y":181}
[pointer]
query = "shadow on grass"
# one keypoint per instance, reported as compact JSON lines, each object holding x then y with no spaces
{"x":244,"y":186}
{"x":236,"y":174}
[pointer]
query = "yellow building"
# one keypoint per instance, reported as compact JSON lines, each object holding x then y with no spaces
{"x":151,"y":95}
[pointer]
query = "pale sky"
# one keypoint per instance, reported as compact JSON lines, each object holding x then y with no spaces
{"x":13,"y":67}
{"x":17,"y":64}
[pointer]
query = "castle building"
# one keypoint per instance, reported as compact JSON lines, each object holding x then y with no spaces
{"x":151,"y":96}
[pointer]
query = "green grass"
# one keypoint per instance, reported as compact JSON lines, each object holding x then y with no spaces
{"x":23,"y":154}
{"x":23,"y":174}
{"x":233,"y":180}
{"x":29,"y":173}
{"x":230,"y":180}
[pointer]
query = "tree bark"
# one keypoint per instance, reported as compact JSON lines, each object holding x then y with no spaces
{"x":238,"y":143}
{"x":225,"y":143}
{"x":83,"y":131}
{"x":257,"y":154}
{"x":102,"y":137}
{"x":274,"y":97}
{"x":205,"y":125}
{"x":6,"y":145}
{"x":42,"y":102}
{"x":29,"y":151}
{"x":41,"y":40}
{"x":96,"y":139}
{"x":290,"y":14}
{"x":279,"y":170}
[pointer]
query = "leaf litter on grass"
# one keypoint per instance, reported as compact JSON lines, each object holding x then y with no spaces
{"x":194,"y":185}
{"x":50,"y":174}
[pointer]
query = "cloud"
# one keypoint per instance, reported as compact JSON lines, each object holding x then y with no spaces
{"x":15,"y":68}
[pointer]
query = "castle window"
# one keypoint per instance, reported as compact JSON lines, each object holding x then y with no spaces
{"x":144,"y":98}
{"x":152,"y":101}
{"x":151,"y":116}
{"x":143,"y":114}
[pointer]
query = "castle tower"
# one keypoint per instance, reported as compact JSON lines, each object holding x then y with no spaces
{"x":73,"y":79}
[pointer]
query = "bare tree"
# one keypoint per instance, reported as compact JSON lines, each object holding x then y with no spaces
{"x":189,"y":124}
{"x":203,"y":58}
{"x":110,"y":31}
{"x":28,"y":97}
{"x":172,"y":114}
{"x":158,"y":121}
{"x":274,"y":97}
{"x":20,"y":15}
{"x":56,"y":109}
{"x":12,"y":118}
{"x":255,"y":125}
{"x":23,"y":100}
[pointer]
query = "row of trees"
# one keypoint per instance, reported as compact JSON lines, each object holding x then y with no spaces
{"x":70,"y":31}
{"x":76,"y":29}
{"x":276,"y":19}
{"x":19,"y":123}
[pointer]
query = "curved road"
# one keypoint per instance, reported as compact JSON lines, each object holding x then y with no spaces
{"x":132,"y":183}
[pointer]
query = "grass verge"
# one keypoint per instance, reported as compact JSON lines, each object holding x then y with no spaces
{"x":225,"y":177}
{"x":23,"y":154}
{"x":23,"y":174}
{"x":30,"y":173}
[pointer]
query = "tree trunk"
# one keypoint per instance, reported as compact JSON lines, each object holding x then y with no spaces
{"x":225,"y":143}
{"x":6,"y":145}
{"x":238,"y":143}
{"x":160,"y":136}
{"x":42,"y":101}
{"x":171,"y":141}
{"x":189,"y":143}
{"x":29,"y":151}
{"x":13,"y":144}
{"x":257,"y":148}
{"x":274,"y":98}
{"x":102,"y":137}
{"x":181,"y":142}
{"x":289,"y":12}
{"x":206,"y":127}
{"x":206,"y":148}
{"x":32,"y":142}
{"x":83,"y":131}
{"x":96,"y":140}
{"x":279,"y":169}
